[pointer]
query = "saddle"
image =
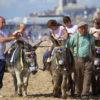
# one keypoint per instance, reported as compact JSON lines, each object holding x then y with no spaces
{"x":70,"y":58}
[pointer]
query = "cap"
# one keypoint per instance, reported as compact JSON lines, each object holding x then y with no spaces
{"x":82,"y":24}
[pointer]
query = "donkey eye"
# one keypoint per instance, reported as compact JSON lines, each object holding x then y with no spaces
{"x":61,"y":49}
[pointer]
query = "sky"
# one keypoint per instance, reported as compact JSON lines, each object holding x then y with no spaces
{"x":21,"y":8}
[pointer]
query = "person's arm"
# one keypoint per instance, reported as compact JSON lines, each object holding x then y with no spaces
{"x":10,"y":38}
{"x":52,"y":34}
{"x":6,"y":39}
{"x":9,"y":49}
{"x":54,"y":40}
{"x":65,"y":34}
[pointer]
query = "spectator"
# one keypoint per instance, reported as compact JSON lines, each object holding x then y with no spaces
{"x":3,"y":40}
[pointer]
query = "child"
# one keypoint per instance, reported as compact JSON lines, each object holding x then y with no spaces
{"x":58,"y":36}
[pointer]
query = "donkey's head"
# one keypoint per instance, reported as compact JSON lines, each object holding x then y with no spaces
{"x":20,"y":43}
{"x":59,"y":56}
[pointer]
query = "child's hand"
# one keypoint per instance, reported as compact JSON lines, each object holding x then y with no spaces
{"x":17,"y":34}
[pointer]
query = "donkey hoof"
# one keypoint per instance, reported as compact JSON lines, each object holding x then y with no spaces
{"x":64,"y":97}
{"x":56,"y":96}
{"x":24,"y":94}
{"x":19,"y":94}
{"x":44,"y":69}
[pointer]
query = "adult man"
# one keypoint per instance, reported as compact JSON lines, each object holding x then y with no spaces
{"x":83,"y":46}
{"x":3,"y":39}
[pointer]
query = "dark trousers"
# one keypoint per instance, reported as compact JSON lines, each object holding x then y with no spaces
{"x":83,"y":74}
{"x":46,"y":55}
{"x":2,"y":70}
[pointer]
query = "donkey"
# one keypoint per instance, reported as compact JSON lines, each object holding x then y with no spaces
{"x":61,"y":68}
{"x":18,"y":63}
{"x":61,"y":72}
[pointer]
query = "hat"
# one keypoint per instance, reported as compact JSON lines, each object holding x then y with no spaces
{"x":82,"y":24}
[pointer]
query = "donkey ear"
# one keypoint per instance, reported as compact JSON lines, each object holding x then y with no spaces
{"x":35,"y":47}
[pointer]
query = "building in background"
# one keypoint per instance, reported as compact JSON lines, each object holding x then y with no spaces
{"x":62,"y":4}
{"x":74,"y":9}
{"x":65,"y":2}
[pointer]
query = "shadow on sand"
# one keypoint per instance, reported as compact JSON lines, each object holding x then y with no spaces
{"x":41,"y":95}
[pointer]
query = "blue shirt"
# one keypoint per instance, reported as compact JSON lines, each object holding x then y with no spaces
{"x":2,"y":45}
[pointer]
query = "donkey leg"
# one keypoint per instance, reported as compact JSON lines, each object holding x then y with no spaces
{"x":57,"y":85}
{"x":15,"y":83}
{"x":73,"y":84}
{"x":63,"y":86}
{"x":19,"y":83}
{"x":55,"y":90}
{"x":25,"y":84}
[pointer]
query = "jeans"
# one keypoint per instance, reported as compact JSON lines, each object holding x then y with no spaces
{"x":2,"y":70}
{"x":46,"y":55}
